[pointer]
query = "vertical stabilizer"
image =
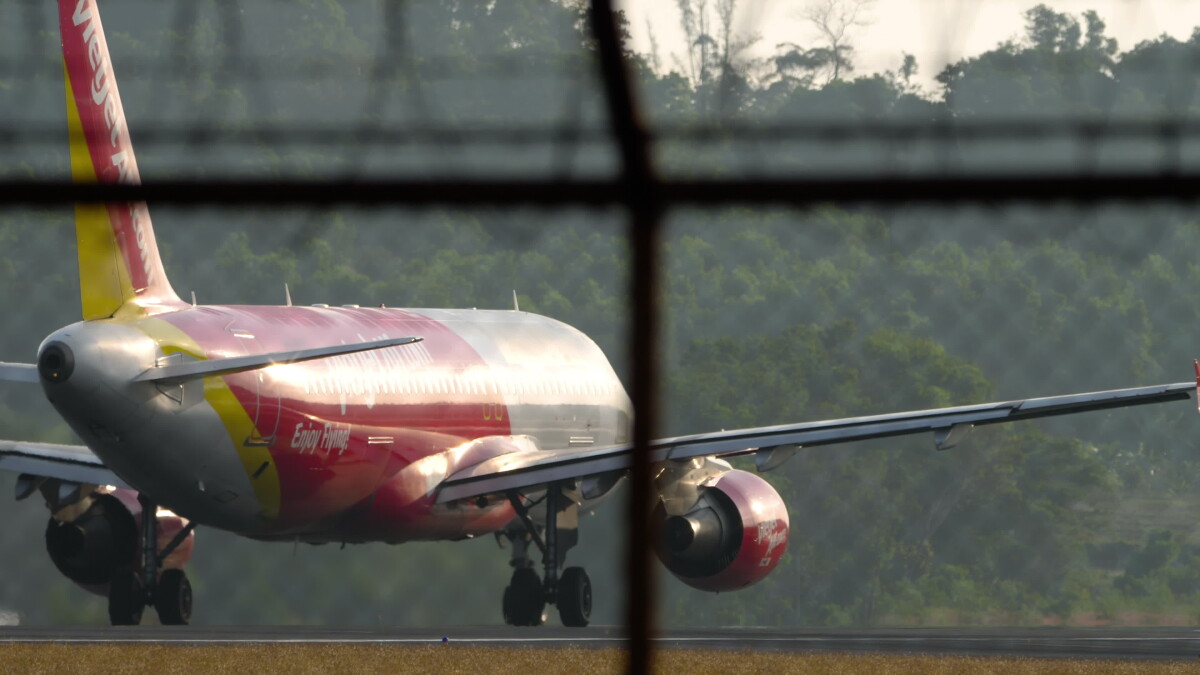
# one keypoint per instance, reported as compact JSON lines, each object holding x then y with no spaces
{"x":119,"y":265}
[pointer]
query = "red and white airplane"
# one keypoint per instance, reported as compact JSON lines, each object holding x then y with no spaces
{"x":351,"y":424}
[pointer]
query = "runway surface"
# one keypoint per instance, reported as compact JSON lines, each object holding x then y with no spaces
{"x":1135,"y":643}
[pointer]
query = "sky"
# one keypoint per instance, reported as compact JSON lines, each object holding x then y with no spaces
{"x":937,"y":32}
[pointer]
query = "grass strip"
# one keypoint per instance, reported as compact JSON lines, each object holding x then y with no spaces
{"x":450,"y":658}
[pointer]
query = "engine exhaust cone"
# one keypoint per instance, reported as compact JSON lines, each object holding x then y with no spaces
{"x":679,"y":533}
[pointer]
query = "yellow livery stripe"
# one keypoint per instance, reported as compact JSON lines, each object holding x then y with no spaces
{"x":103,"y":280}
{"x":256,"y":459}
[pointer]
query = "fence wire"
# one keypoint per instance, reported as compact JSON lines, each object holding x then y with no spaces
{"x":829,"y":249}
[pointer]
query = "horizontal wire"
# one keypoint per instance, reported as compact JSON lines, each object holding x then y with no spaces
{"x":1090,"y":130}
{"x":1179,"y":186}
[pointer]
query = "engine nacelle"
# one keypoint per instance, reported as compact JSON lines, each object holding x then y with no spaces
{"x":89,"y":548}
{"x":105,"y":536}
{"x":732,"y":538}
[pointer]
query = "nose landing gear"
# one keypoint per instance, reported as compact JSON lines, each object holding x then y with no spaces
{"x":132,"y":590}
{"x":526,"y":596}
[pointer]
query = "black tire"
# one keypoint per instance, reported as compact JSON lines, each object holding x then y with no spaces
{"x":173,"y":600}
{"x":126,"y":600}
{"x":575,"y":597}
{"x":509,"y":610}
{"x":523,"y":599}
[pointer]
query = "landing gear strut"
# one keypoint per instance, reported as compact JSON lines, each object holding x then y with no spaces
{"x":132,"y":589}
{"x":526,"y":596}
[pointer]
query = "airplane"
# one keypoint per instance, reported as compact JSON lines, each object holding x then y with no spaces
{"x":354,"y":424}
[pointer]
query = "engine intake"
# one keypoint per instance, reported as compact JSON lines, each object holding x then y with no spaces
{"x":733,"y":537}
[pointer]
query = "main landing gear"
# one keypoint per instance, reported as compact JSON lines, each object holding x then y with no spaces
{"x":526,"y":596}
{"x":132,"y":589}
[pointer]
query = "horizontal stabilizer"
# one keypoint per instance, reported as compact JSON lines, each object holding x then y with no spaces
{"x":191,"y":370}
{"x":18,"y":372}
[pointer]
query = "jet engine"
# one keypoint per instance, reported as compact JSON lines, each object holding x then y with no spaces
{"x":90,"y":547}
{"x":733,"y":536}
{"x":93,"y":537}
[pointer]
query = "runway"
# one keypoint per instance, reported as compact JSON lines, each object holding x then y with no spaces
{"x":1129,"y":643}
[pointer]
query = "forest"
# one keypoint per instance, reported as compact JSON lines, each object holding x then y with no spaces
{"x":770,"y":315}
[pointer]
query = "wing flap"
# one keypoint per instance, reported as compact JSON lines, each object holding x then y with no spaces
{"x":564,"y":465}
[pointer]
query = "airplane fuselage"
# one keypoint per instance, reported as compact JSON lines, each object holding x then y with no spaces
{"x":346,"y":448}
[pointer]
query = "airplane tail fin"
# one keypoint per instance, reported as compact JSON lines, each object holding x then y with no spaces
{"x":119,"y":264}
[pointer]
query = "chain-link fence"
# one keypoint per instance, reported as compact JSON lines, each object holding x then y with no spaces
{"x":776,"y":307}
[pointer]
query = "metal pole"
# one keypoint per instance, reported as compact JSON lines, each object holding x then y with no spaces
{"x":642,"y":199}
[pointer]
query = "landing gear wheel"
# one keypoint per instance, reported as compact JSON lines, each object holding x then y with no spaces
{"x":174,"y":598}
{"x":574,"y":597}
{"x":126,"y":599}
{"x":508,"y":606}
{"x":523,"y":599}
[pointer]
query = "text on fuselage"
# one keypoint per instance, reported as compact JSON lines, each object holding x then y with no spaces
{"x":311,"y":438}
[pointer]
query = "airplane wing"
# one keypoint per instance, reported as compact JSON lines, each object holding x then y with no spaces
{"x":773,"y":445}
{"x":73,"y":463}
